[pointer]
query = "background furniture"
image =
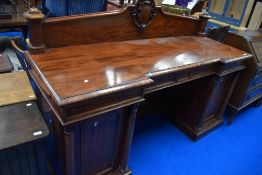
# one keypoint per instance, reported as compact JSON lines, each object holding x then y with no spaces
{"x":255,"y":22}
{"x":229,"y":12}
{"x":73,"y":7}
{"x":22,"y":128}
{"x":249,"y":86}
{"x":17,"y":20}
{"x":5,"y":64}
{"x":5,"y":9}
{"x":22,"y":151}
{"x":7,"y":50}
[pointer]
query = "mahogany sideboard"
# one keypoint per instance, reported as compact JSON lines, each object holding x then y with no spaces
{"x":249,"y":86}
{"x":95,"y":70}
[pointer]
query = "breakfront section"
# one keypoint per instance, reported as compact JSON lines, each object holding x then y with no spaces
{"x":98,"y":145}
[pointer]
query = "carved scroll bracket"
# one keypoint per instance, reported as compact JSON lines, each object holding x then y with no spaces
{"x":143,"y":14}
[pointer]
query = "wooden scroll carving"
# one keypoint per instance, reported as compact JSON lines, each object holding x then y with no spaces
{"x":143,"y":14}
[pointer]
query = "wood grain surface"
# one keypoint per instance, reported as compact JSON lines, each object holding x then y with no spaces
{"x":15,"y":88}
{"x":75,"y":70}
{"x":111,"y":27}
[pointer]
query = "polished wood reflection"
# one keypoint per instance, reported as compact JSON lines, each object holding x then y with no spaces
{"x":77,"y":70}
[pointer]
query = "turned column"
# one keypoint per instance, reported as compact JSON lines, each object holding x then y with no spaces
{"x":123,"y":167}
{"x":67,"y":148}
{"x":203,"y":19}
{"x":70,"y":160}
{"x":34,"y":19}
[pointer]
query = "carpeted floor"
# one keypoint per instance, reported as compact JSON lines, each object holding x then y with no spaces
{"x":161,"y":149}
{"x":11,"y":34}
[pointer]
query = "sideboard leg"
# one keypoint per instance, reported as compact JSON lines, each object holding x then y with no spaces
{"x":233,"y":113}
{"x":70,"y":168}
{"x":258,"y":102}
{"x":127,"y":140}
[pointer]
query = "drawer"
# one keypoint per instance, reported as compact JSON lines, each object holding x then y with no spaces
{"x":177,"y":77}
{"x":253,"y":95}
{"x":255,"y":82}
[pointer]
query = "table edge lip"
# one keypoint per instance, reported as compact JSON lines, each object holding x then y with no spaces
{"x":145,"y":79}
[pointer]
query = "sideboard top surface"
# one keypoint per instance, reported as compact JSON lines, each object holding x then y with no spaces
{"x":76,"y":70}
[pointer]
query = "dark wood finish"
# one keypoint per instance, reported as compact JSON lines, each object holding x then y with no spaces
{"x":5,"y":64}
{"x":144,"y":13}
{"x":34,"y":18}
{"x":112,"y":131}
{"x":17,"y":19}
{"x":98,"y":28}
{"x":22,"y":135}
{"x":249,"y":85}
{"x":218,"y":33}
{"x":147,"y":58}
{"x":95,"y":78}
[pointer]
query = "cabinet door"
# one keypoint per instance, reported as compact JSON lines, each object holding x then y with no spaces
{"x":100,"y":142}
